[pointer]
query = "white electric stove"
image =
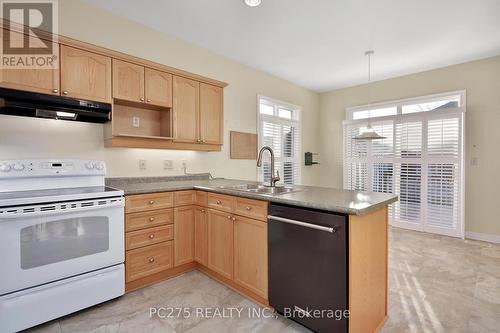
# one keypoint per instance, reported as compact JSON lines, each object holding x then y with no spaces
{"x":61,"y":240}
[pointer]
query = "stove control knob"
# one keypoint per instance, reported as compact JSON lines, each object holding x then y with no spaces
{"x":18,"y":167}
{"x":4,"y":167}
{"x":89,"y":165}
{"x":98,"y":166}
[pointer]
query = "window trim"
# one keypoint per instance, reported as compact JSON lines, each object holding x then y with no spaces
{"x":399,"y":103}
{"x":296,"y":119}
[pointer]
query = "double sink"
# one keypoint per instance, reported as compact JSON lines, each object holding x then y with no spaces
{"x":260,"y":189}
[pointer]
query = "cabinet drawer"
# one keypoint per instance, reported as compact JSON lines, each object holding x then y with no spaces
{"x":148,"y":260}
{"x":201,"y":198}
{"x":153,"y":218}
{"x":255,"y":209}
{"x":221,"y":202}
{"x":144,"y":202}
{"x":140,"y":238}
{"x":184,"y":198}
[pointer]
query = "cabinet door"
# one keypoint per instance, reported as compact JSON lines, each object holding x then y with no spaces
{"x":211,"y":114}
{"x":186,"y":108}
{"x":128,"y":81}
{"x":220,"y":243}
{"x":250,"y":255}
{"x":45,"y":81}
{"x":158,"y":88}
{"x":200,"y":236}
{"x":184,"y":235}
{"x":85,"y":75}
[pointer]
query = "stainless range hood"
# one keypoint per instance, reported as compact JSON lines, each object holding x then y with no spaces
{"x":28,"y":104}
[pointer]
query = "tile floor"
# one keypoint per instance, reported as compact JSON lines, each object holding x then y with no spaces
{"x":437,"y":284}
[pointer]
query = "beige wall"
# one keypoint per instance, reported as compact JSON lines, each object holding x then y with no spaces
{"x":36,"y":138}
{"x":481,"y":79}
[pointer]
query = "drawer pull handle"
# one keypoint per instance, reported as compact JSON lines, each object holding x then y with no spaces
{"x":248,"y":208}
{"x":218,"y":202}
{"x":151,"y":219}
{"x":151,"y":236}
{"x":151,"y":202}
{"x":151,"y":260}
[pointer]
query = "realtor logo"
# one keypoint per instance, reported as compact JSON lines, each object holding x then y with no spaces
{"x":28,"y":39}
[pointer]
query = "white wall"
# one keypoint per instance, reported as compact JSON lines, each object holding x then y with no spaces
{"x":35,"y":138}
{"x":481,"y":79}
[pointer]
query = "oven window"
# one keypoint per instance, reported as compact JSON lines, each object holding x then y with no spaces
{"x":55,"y":241}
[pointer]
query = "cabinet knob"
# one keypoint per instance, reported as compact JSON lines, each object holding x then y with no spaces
{"x":151,"y":260}
{"x":248,"y":208}
{"x":151,"y":236}
{"x":203,"y":211}
{"x":198,"y":140}
{"x":218,"y":202}
{"x":151,"y":219}
{"x":229,"y":217}
{"x":151,"y":202}
{"x":233,"y":218}
{"x":148,"y":100}
{"x":55,"y":91}
{"x":142,"y":99}
{"x":65,"y":92}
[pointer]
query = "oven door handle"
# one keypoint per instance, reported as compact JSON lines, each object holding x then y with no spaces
{"x":302,"y":224}
{"x":60,"y":208}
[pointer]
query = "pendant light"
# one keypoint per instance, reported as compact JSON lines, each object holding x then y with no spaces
{"x":369,"y":133}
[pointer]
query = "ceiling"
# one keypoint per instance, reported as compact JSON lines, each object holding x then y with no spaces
{"x":320,"y":44}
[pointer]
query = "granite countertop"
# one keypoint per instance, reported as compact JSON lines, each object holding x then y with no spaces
{"x":328,"y":199}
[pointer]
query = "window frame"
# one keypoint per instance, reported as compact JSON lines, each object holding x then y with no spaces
{"x":423,"y":116}
{"x":295,"y":121}
{"x":399,"y":103}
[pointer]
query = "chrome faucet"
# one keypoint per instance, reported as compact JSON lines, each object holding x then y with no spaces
{"x":273,"y":179}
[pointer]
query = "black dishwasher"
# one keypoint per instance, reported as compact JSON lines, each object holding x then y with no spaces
{"x":308,"y":267}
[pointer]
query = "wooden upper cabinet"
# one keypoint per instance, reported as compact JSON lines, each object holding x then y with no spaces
{"x":45,"y":81}
{"x":158,"y":88}
{"x":186,"y":107}
{"x":128,"y":81}
{"x":85,"y":75}
{"x":220,"y":243}
{"x":211,"y":114}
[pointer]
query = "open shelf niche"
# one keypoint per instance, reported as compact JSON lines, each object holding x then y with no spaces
{"x":140,"y":120}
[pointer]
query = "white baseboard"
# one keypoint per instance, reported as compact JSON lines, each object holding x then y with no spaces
{"x":483,"y":237}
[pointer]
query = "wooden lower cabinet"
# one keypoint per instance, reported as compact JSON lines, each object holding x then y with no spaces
{"x":250,"y":255}
{"x":220,"y":243}
{"x":184,"y":234}
{"x":228,"y":243}
{"x":148,"y":260}
{"x":200,"y":235}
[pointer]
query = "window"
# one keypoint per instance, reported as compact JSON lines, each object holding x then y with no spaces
{"x":279,"y":128}
{"x":420,"y":160}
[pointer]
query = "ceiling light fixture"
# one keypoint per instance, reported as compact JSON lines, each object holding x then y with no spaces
{"x":369,"y":133}
{"x":252,"y":3}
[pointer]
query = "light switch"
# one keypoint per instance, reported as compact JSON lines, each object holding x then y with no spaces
{"x":168,"y":164}
{"x":136,"y":122}
{"x":142,"y":164}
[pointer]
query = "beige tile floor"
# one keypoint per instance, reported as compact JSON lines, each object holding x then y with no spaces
{"x":437,"y":284}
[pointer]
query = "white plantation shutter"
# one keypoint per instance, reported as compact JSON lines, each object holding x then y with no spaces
{"x":443,"y":188}
{"x":279,"y":128}
{"x":420,"y":160}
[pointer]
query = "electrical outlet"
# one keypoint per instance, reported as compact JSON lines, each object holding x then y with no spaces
{"x":142,"y":164}
{"x":136,"y":122}
{"x":168,"y":164}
